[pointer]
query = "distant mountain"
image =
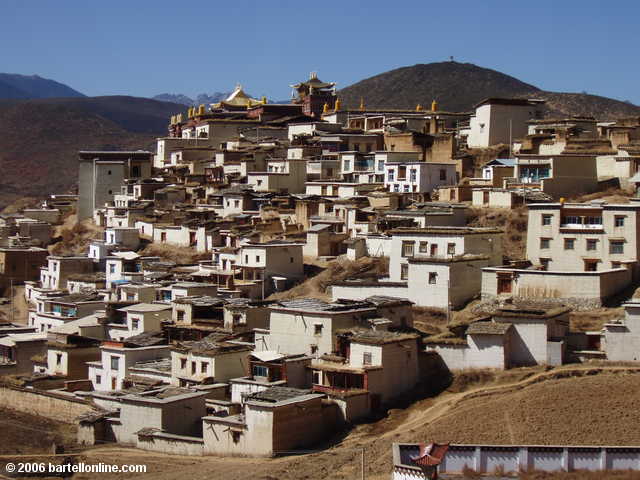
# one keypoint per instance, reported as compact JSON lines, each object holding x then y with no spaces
{"x":14,"y":86}
{"x":202,"y":98}
{"x":174,"y":98}
{"x":459,"y":86}
{"x":41,"y":138}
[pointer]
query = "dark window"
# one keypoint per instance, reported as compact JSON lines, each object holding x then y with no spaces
{"x":433,"y":277}
{"x":545,"y":243}
{"x":590,"y":265}
{"x":546,"y":219}
{"x":443,"y":174}
{"x":366,"y":358}
{"x":616,"y":247}
{"x":404,"y":271}
{"x":569,"y":243}
{"x":592,"y":244}
{"x":260,"y":371}
{"x":544,"y":262}
{"x":317,"y":328}
{"x":619,"y":221}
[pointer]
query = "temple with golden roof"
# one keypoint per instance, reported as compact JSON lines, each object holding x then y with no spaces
{"x":238,"y":100}
{"x":314,"y":94}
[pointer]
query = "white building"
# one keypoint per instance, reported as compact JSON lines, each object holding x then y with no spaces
{"x":500,"y":120}
{"x":432,"y":267}
{"x":117,"y":356}
{"x":418,"y":177}
{"x":210,"y":360}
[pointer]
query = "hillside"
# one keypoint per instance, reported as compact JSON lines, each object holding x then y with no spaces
{"x":580,"y":405}
{"x":41,"y":138}
{"x":459,"y":86}
{"x":15,"y":86}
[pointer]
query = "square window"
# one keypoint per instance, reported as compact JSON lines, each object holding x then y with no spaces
{"x":314,"y":349}
{"x":619,"y":221}
{"x":544,"y":262}
{"x":424,"y":247}
{"x":451,"y":248}
{"x":407,"y":248}
{"x":545,"y":243}
{"x":546,"y":219}
{"x":433,"y":277}
{"x":404,"y":271}
{"x":569,"y":243}
{"x":616,"y":247}
{"x":592,"y":244}
{"x":317,"y":329}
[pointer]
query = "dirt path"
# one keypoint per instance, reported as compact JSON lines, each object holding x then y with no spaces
{"x":341,"y":461}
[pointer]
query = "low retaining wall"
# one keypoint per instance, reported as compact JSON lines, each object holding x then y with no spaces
{"x":506,"y":459}
{"x":46,"y":404}
{"x":579,"y":290}
{"x":171,"y":444}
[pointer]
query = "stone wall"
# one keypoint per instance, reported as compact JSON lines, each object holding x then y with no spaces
{"x":47,"y":404}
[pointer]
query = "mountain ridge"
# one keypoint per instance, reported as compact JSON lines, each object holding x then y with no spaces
{"x":457,"y":87}
{"x":20,"y":87}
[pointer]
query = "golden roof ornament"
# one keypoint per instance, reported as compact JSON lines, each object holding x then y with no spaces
{"x":434,"y":106}
{"x":418,"y":108}
{"x":338,"y":105}
{"x":362,"y":108}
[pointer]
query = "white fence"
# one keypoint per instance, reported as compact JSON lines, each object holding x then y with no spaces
{"x":512,"y":459}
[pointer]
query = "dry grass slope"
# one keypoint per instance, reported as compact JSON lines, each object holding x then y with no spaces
{"x":317,"y":286}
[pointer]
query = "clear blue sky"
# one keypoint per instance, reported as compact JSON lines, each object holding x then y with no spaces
{"x":143,"y":48}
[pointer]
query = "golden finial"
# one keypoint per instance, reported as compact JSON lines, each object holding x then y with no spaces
{"x":418,"y":108}
{"x":325,"y":108}
{"x":338,"y":105}
{"x":201,"y":109}
{"x":264,"y":99}
{"x":434,"y":106}
{"x":362,"y":104}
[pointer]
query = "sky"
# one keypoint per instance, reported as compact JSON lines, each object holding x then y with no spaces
{"x":144,"y":48}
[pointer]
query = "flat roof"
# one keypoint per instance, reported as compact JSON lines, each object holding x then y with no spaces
{"x":145,"y":307}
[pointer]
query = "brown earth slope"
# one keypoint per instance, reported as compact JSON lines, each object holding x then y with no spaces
{"x":459,"y":86}
{"x":584,"y":407}
{"x":41,"y":138}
